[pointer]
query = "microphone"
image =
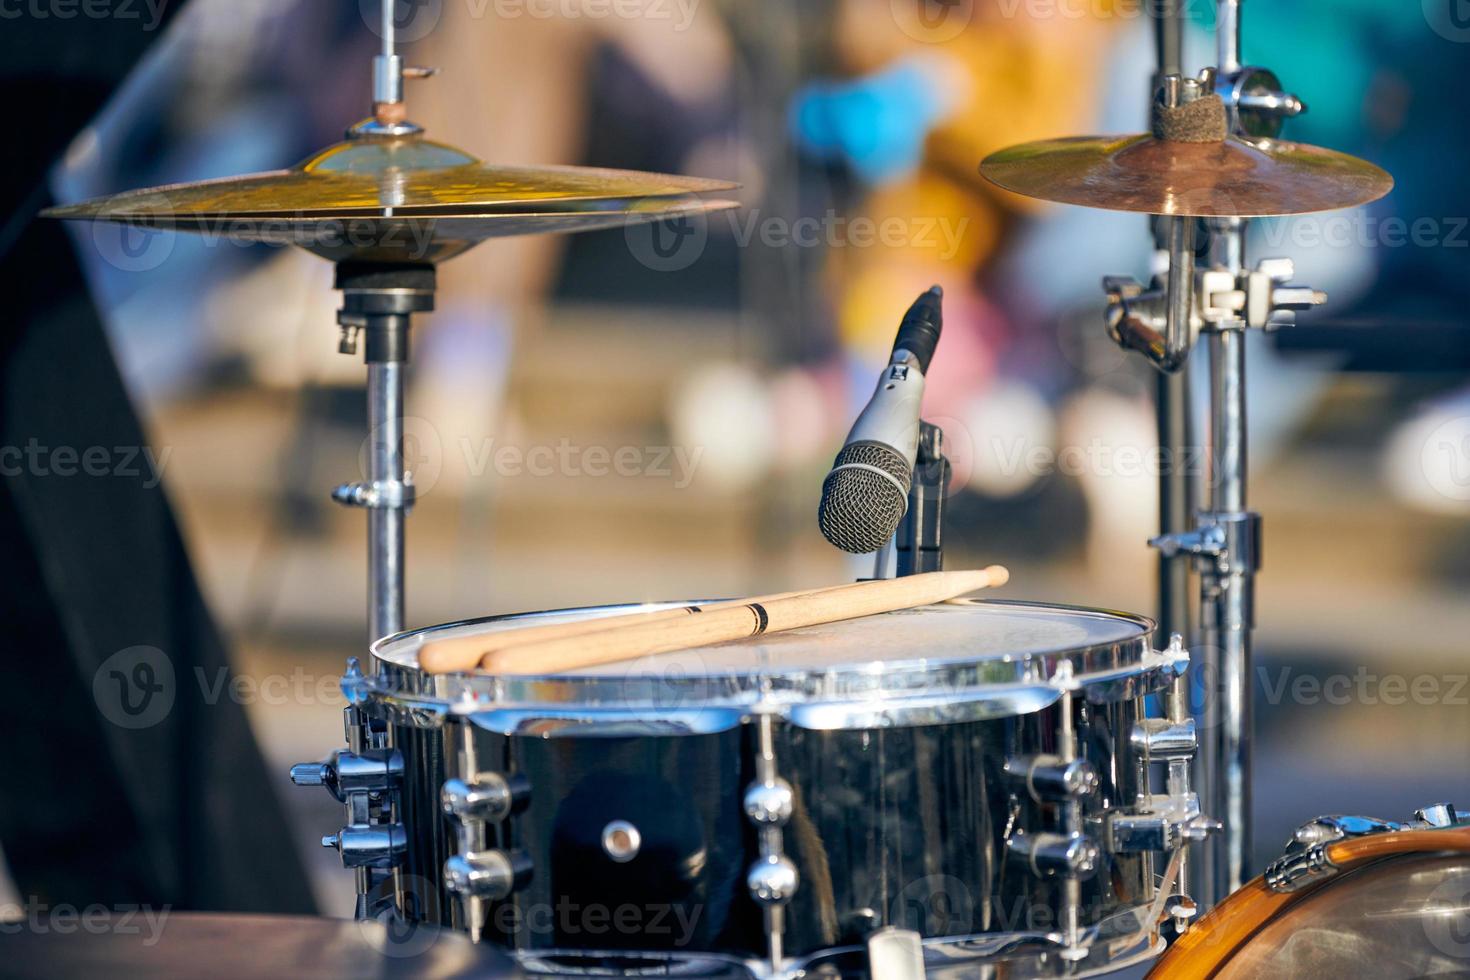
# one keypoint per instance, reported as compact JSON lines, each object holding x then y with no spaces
{"x":867,"y":492}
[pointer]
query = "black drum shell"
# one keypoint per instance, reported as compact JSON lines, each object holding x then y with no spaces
{"x":893,"y":826}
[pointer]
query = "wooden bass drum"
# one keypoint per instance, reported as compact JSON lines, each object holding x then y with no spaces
{"x":1384,"y":903}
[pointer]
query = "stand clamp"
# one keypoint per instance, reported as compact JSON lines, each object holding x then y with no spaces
{"x":1260,"y":297}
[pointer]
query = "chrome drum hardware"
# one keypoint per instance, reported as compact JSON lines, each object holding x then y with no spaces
{"x":365,"y":777}
{"x":963,"y":786}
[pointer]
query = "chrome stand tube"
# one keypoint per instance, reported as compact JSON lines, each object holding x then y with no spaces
{"x":385,"y":468}
{"x":1227,"y":593}
{"x":1176,"y":496}
{"x":377,"y":306}
{"x":1227,"y":579}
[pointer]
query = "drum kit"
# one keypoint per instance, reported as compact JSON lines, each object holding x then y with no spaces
{"x":975,"y":788}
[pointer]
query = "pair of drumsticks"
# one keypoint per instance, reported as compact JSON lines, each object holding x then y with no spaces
{"x":557,"y":647}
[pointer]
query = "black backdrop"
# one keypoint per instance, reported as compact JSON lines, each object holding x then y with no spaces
{"x":179,"y":811}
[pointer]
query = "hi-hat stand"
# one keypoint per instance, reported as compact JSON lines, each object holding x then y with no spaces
{"x":1223,"y":299}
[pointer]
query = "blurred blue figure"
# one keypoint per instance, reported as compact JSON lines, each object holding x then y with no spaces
{"x":876,"y":124}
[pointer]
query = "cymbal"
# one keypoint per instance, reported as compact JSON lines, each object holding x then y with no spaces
{"x":399,"y":177}
{"x":403,"y":200}
{"x":423,"y":240}
{"x":1230,"y":178}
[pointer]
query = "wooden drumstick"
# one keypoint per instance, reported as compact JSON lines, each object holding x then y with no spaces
{"x":463,"y":653}
{"x":737,"y":621}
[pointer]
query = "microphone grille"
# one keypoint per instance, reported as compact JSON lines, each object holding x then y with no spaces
{"x":861,"y":508}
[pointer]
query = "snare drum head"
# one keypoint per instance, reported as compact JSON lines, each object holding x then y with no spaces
{"x":1017,"y":655}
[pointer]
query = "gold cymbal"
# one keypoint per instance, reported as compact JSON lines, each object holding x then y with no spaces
{"x":1218,"y":179}
{"x":390,"y":177}
{"x":421,"y":239}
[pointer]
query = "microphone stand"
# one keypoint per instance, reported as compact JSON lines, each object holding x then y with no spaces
{"x":919,"y":539}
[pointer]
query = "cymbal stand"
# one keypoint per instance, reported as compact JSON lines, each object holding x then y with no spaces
{"x":1172,"y":399}
{"x":378,"y":302}
{"x":1222,"y":299}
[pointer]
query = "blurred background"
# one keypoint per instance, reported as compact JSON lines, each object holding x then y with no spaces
{"x":649,"y":415}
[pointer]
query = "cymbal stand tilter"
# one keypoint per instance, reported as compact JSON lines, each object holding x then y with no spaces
{"x":1222,"y":299}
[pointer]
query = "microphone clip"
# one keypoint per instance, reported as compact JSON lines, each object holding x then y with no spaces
{"x":919,"y":540}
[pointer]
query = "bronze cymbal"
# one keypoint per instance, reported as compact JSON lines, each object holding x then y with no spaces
{"x":398,"y":177}
{"x":1231,"y":178}
{"x":429,"y":239}
{"x":403,"y":199}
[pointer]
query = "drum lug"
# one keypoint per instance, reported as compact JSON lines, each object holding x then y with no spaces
{"x":489,"y":797}
{"x":768,"y":804}
{"x":474,"y":800}
{"x":491,"y":875}
{"x":1052,"y":779}
{"x":1073,"y":856}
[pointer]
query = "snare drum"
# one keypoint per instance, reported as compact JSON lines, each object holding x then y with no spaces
{"x":973,"y":774}
{"x":1352,"y":897}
